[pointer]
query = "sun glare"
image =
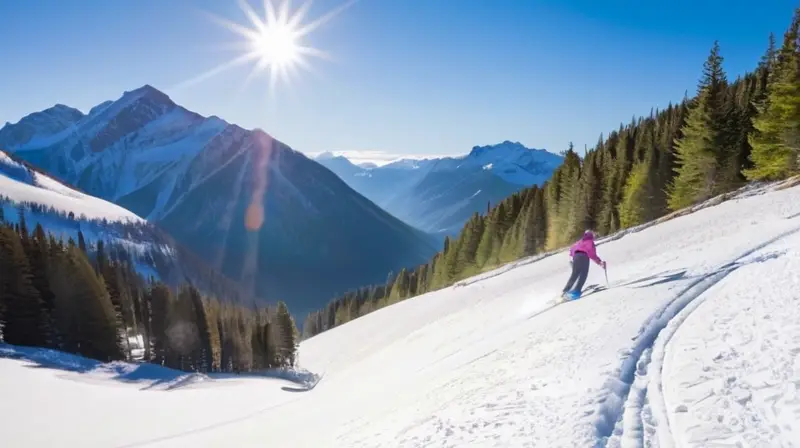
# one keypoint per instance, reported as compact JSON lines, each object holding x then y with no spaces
{"x":274,"y":42}
{"x":277,"y":46}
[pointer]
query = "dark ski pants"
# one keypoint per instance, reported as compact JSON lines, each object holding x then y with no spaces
{"x":580,"y":270}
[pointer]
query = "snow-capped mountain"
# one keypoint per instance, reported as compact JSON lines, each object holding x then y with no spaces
{"x":262,"y":213}
{"x":438,"y":195}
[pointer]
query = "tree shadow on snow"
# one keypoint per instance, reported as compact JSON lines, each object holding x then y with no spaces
{"x":657,"y":279}
{"x":680,"y":274}
{"x":150,"y":376}
{"x":760,"y":259}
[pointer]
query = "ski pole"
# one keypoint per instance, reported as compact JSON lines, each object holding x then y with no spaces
{"x":605,"y":270}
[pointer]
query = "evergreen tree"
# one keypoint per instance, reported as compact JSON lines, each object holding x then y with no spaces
{"x":23,"y":321}
{"x":81,"y":242}
{"x":699,"y":150}
{"x":287,"y":343}
{"x":512,"y":246}
{"x":563,"y":223}
{"x":586,"y":207}
{"x":490,"y":237}
{"x":161,"y":302}
{"x":205,"y":359}
{"x":84,"y":313}
{"x":467,"y":251}
{"x":776,"y":141}
{"x":182,"y":331}
{"x":39,"y":255}
{"x":632,"y":210}
{"x":536,"y":233}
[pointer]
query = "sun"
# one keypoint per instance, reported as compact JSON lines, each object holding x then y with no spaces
{"x":274,"y":42}
{"x":277,"y":46}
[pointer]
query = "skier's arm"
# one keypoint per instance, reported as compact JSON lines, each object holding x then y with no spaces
{"x":593,"y":255}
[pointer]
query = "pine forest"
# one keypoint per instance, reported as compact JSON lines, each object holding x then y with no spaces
{"x":82,"y":300}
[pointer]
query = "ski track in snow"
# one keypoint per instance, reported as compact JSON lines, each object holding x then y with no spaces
{"x":733,"y":372}
{"x":679,"y":350}
{"x":637,"y":400}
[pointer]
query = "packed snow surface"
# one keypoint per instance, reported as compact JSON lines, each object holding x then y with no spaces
{"x":694,"y":343}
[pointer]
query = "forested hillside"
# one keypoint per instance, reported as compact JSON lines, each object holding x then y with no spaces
{"x":729,"y":133}
{"x":91,"y":302}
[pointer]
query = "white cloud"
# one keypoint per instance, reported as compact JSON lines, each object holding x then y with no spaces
{"x":377,"y":157}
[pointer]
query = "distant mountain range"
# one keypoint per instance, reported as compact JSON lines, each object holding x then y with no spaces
{"x":263,"y":214}
{"x":439,"y":195}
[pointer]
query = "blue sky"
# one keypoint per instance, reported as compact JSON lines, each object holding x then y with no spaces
{"x":408,"y":77}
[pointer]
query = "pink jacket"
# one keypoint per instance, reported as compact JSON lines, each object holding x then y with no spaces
{"x":586,"y":245}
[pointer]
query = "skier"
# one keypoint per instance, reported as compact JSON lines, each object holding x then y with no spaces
{"x":581,"y":252}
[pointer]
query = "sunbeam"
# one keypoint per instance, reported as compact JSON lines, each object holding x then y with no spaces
{"x":275,"y":42}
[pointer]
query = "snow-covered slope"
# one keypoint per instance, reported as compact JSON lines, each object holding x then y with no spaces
{"x":67,"y":213}
{"x":253,"y":208}
{"x":20,"y":184}
{"x":64,"y":212}
{"x":37,"y":127}
{"x":439,"y":195}
{"x":694,"y":343}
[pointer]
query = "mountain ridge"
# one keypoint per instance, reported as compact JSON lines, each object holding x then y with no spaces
{"x":155,"y":158}
{"x":438,"y":195}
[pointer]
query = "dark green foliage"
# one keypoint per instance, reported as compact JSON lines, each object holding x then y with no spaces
{"x":702,"y":147}
{"x":671,"y":159}
{"x":52,"y":296}
{"x":84,"y":314}
{"x":776,"y":139}
{"x":287,"y":334}
{"x":41,"y":266}
{"x":22,"y":319}
{"x":81,"y":242}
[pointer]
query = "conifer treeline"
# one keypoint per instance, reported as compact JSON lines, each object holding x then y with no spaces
{"x":729,"y":133}
{"x":55,"y":295}
{"x":170,"y":259}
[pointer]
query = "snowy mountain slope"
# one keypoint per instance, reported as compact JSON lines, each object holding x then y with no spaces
{"x":36,"y":127}
{"x":65,"y":213}
{"x":695,"y":343}
{"x":256,"y":210}
{"x":20,"y":184}
{"x":439,"y":195}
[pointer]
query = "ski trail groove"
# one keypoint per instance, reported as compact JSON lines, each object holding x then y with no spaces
{"x":624,"y":415}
